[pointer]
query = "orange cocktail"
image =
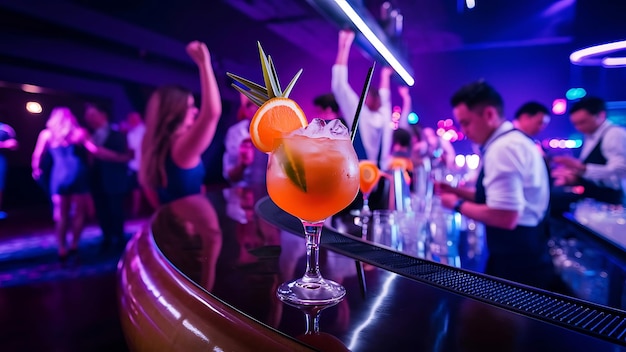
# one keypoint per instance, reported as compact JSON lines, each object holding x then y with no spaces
{"x":313,"y":178}
{"x":312,"y":174}
{"x":369,"y":175}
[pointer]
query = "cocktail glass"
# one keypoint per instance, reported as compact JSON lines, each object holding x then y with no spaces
{"x":313,"y":177}
{"x":368,"y":178}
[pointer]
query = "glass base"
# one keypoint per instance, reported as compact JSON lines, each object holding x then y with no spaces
{"x":321,"y":293}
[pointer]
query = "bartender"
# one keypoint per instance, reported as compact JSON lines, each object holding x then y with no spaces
{"x":601,"y":166}
{"x":511,"y":197}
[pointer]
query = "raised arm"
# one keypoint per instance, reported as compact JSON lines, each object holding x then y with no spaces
{"x":385,"y":77}
{"x":346,"y":37}
{"x":346,"y":97}
{"x":188,"y":148}
{"x":407,"y":106}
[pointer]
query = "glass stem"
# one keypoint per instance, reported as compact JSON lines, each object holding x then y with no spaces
{"x":312,"y":317}
{"x":366,"y":206}
{"x":312,"y":233}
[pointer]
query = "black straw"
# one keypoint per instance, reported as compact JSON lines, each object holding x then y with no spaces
{"x":366,"y":87}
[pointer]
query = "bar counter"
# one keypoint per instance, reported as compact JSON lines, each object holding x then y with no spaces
{"x":203,"y":275}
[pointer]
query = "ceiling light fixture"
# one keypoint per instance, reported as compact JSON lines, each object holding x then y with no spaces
{"x":614,"y":61}
{"x":375,"y":41}
{"x":597,"y":55}
{"x":33,"y":107}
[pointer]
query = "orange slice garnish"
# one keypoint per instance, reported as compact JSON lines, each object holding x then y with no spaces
{"x":274,"y":118}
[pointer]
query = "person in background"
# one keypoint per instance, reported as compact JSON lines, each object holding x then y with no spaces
{"x":177,"y":134}
{"x":375,"y":127}
{"x":418,"y":145}
{"x":531,"y":118}
{"x":108,"y":174}
{"x":325,"y":107}
{"x":134,"y":136}
{"x":8,"y":141}
{"x":400,"y":156}
{"x":68,"y":145}
{"x":401,"y":148}
{"x":601,"y":167}
{"x":438,"y":149}
{"x":243,"y":164}
{"x":512,"y":191}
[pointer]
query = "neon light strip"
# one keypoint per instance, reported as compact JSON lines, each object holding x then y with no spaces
{"x":373,"y":39}
{"x":614,"y":61}
{"x":589,"y":56}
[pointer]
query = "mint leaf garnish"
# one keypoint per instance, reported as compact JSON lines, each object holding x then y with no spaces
{"x":293,"y":167}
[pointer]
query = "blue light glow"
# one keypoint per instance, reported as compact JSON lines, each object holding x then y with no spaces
{"x":370,"y":318}
{"x":575,"y":93}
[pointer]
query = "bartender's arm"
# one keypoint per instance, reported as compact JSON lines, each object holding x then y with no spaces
{"x":501,"y":218}
{"x":460,"y":192}
{"x":570,"y":169}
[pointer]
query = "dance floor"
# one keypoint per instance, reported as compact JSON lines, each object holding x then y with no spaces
{"x":49,"y":305}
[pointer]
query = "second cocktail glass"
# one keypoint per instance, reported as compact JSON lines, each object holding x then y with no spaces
{"x":312,"y":177}
{"x":369,"y":176}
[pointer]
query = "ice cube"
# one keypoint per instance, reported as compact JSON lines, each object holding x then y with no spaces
{"x":336,"y":129}
{"x":319,"y":128}
{"x":313,"y":129}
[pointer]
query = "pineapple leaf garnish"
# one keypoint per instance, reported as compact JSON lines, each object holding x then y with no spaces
{"x":267,"y":73}
{"x":251,"y":93}
{"x":249,"y":84}
{"x":257,"y":93}
{"x":274,"y":74}
{"x":248,"y":94}
{"x":287,"y":90}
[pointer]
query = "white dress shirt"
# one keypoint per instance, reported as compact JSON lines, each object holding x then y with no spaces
{"x":252,"y":174}
{"x":614,"y":150}
{"x":516,"y":177}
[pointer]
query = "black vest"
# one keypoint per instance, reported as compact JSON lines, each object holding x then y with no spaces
{"x":598,"y":191}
